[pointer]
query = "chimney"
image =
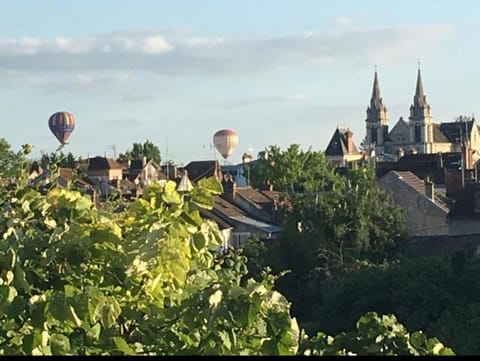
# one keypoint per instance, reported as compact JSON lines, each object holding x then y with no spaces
{"x":229,"y":186}
{"x":246,"y":158}
{"x":429,"y":189}
{"x":349,"y":135}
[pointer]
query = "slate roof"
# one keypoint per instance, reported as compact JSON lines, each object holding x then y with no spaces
{"x":337,"y":145}
{"x":102,"y":163}
{"x":438,"y":136}
{"x":455,"y":131}
{"x":231,"y":215}
{"x":202,"y":169}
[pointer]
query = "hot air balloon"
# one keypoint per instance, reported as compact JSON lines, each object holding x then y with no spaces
{"x":225,"y":141}
{"x":62,"y":125}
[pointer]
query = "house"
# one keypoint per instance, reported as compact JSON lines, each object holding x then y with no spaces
{"x":63,"y":177}
{"x":341,"y":149}
{"x":261,"y":205}
{"x":101,"y":171}
{"x":143,"y":172}
{"x":238,"y":223}
{"x":425,"y":212}
{"x":203,"y":169}
{"x":240,"y":212}
{"x":102,"y":168}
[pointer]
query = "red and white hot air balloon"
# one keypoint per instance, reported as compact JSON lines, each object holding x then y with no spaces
{"x":225,"y":141}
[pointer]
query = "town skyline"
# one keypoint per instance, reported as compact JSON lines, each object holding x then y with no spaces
{"x":276,"y":72}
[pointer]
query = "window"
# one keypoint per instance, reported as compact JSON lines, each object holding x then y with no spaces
{"x":418,"y":133}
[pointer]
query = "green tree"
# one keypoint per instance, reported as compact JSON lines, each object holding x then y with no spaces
{"x":332,"y":220}
{"x":58,"y":158}
{"x":13,"y":164}
{"x":148,"y":150}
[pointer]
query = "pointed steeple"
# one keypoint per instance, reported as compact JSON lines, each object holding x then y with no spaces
{"x":419,"y":99}
{"x":420,"y":110}
{"x":376,"y":112}
{"x":376,"y":99}
{"x":377,"y":120}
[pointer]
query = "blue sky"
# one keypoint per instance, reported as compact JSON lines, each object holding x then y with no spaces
{"x":277,"y":72}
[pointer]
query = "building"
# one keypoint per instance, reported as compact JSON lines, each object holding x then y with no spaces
{"x":341,"y":149}
{"x":425,"y":212}
{"x":420,"y":134}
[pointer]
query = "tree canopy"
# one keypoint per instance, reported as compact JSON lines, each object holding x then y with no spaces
{"x":148,"y":150}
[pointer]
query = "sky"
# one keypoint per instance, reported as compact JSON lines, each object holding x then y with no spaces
{"x":277,"y":72}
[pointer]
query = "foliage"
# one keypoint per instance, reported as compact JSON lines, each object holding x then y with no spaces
{"x":145,"y":280}
{"x":332,"y":219}
{"x":437,"y":294}
{"x":374,"y":335}
{"x":148,"y":150}
{"x":12,"y":164}
{"x":82,"y":281}
{"x":58,"y":159}
{"x":290,"y":170}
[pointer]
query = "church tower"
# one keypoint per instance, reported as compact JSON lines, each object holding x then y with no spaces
{"x":421,"y":125}
{"x":377,"y":120}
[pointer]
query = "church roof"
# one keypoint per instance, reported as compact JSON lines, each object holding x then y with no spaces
{"x":438,"y":136}
{"x":455,"y":131}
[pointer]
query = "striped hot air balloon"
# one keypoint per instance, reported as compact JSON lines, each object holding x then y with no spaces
{"x":225,"y":141}
{"x":62,"y":125}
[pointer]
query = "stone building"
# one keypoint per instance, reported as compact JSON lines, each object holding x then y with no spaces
{"x":420,"y":134}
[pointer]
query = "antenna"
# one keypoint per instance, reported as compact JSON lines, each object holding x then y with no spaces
{"x":166,"y":156}
{"x":418,"y":61}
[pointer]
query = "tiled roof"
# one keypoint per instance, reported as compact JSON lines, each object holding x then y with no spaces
{"x":419,"y":185}
{"x":253,"y":195}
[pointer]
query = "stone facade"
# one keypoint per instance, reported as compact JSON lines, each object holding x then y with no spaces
{"x":424,"y":215}
{"x":418,"y":135}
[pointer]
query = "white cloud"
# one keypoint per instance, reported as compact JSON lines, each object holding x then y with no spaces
{"x":187,"y":53}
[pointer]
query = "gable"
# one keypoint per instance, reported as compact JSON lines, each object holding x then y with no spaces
{"x":400,"y":133}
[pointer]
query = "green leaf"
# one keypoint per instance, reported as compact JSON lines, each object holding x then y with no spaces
{"x":211,"y":184}
{"x":170,"y":195}
{"x":122,"y":345}
{"x":110,"y":312}
{"x":60,"y":344}
{"x":202,"y":198}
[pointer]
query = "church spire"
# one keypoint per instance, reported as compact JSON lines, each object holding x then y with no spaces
{"x":376,"y":100}
{"x":376,"y":112}
{"x":419,"y":110}
{"x":419,"y":98}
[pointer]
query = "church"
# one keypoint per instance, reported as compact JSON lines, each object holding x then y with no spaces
{"x":420,"y":134}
